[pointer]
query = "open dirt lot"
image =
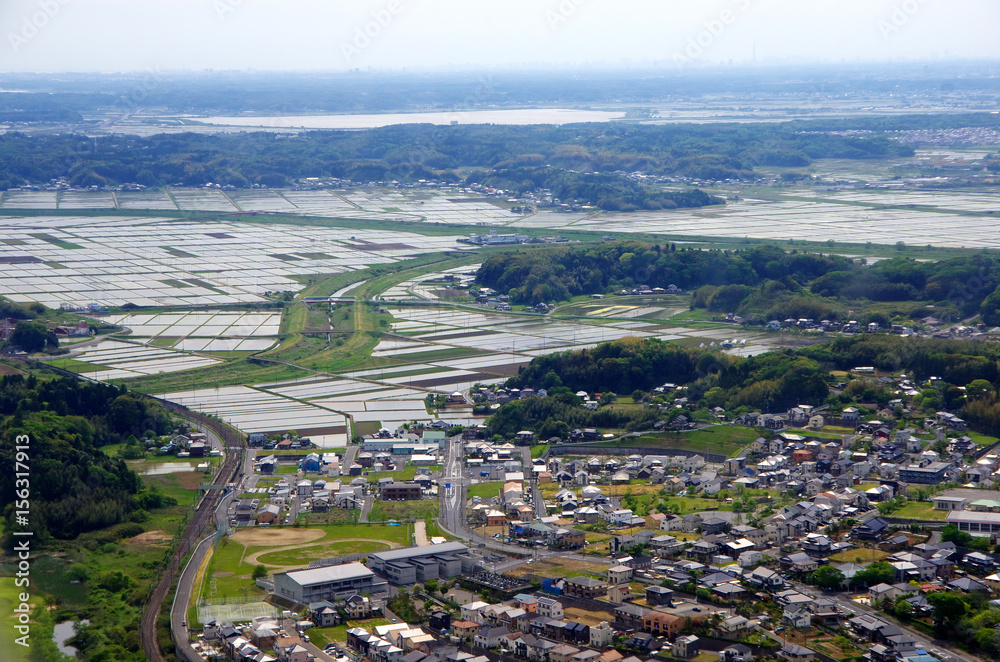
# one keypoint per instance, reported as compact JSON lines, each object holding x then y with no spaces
{"x":564,"y":567}
{"x":155,"y":537}
{"x":252,"y":538}
{"x":588,"y":617}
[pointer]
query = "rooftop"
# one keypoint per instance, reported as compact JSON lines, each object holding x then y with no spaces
{"x":407,"y":553}
{"x":972,"y":516}
{"x":329,"y":573}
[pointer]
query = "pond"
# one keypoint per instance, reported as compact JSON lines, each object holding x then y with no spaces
{"x":160,"y":468}
{"x":63,"y":632}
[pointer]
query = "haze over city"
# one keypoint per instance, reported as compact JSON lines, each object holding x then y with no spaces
{"x":122,"y":35}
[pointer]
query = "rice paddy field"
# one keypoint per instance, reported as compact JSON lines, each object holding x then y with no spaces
{"x":198,"y":324}
{"x":509,"y":340}
{"x":192,"y":272}
{"x":387,"y":203}
{"x":162,"y":261}
{"x":113,"y":359}
{"x":945,"y":222}
{"x":317,"y":408}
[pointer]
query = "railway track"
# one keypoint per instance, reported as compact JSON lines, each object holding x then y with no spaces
{"x":195,"y":528}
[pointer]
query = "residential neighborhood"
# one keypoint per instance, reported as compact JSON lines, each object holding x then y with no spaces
{"x":806,"y":544}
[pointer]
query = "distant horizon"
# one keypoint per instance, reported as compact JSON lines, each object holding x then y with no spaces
{"x":664,"y":67}
{"x":53,"y":36}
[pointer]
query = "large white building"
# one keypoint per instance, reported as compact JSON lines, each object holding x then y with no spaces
{"x":977,"y":523}
{"x":332,"y":582}
{"x":418,"y":564}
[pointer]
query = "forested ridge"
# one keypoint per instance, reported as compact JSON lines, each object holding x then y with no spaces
{"x":75,"y":486}
{"x":968,"y":381}
{"x":416,"y":151}
{"x":557,"y":273}
{"x":764,"y":282}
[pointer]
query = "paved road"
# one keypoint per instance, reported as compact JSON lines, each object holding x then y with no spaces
{"x":420,"y":533}
{"x":366,"y":507}
{"x":453,"y":517}
{"x":185,"y":582}
{"x":537,"y":500}
{"x":922,"y":641}
{"x":191,"y":539}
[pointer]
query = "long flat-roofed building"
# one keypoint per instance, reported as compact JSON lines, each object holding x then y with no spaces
{"x":412,"y":564}
{"x":977,"y":523}
{"x":332,"y":582}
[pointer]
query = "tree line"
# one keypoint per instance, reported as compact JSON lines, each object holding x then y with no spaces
{"x":765,"y":282}
{"x":557,"y":273}
{"x":968,"y":381}
{"x":417,"y":151}
{"x":75,"y":486}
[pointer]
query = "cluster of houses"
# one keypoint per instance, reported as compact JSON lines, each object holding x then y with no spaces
{"x":264,"y":639}
{"x":339,"y":485}
{"x":327,"y":464}
{"x":191,"y":443}
{"x":318,"y":496}
{"x":646,"y":289}
{"x":287,"y":442}
{"x":534,"y":628}
{"x":501,"y":396}
{"x":794,"y":462}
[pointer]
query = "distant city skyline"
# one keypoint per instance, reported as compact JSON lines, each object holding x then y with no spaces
{"x":320,"y":35}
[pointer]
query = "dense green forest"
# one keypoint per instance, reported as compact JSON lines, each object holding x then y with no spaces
{"x":555,"y":416}
{"x":762,"y":282}
{"x":558,"y":273}
{"x":416,"y":151}
{"x":968,"y":380}
{"x":770,"y":382}
{"x":621,"y":367}
{"x":75,"y":487}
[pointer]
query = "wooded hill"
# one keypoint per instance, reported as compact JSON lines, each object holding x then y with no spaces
{"x":524,"y":157}
{"x":764,"y":282}
{"x":771,"y":382}
{"x":75,"y":487}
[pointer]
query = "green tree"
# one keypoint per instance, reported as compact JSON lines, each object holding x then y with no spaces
{"x":827,"y":576}
{"x":950,"y":533}
{"x":979,"y":388}
{"x":903,"y":609}
{"x":29,"y":336}
{"x":990,"y":308}
{"x":115,"y":581}
{"x":259,"y":572}
{"x":948,"y":608}
{"x":880,"y":572}
{"x":988,"y":640}
{"x":78,"y":572}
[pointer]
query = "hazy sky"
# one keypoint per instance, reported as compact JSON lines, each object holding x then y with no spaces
{"x":126,"y":35}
